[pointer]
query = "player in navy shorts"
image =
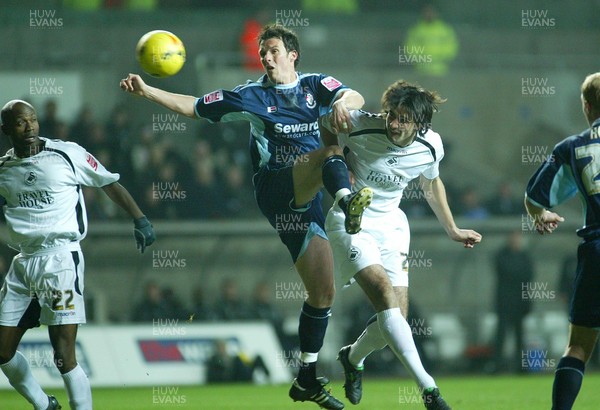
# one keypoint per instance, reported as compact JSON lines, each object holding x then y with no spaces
{"x":290,"y":168}
{"x":573,"y":168}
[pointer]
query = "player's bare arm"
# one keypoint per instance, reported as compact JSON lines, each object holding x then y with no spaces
{"x":435,"y":194}
{"x":180,"y":103}
{"x":143,"y":231}
{"x":340,"y":116}
{"x":120,"y":196}
{"x":327,"y":137}
{"x":545,"y":221}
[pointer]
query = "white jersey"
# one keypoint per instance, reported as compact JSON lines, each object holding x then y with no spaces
{"x":42,"y":197}
{"x":383,"y":166}
{"x":387,"y":169}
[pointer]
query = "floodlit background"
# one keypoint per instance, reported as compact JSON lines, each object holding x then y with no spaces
{"x":511,"y":76}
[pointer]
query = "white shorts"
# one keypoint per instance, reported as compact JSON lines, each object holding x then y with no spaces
{"x":44,"y":288}
{"x":383,"y":241}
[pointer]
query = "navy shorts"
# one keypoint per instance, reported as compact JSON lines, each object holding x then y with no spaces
{"x":274,"y":190}
{"x":585,"y":302}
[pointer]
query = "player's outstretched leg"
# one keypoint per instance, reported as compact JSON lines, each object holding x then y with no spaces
{"x":353,"y":206}
{"x":433,"y":400}
{"x":352,"y":375}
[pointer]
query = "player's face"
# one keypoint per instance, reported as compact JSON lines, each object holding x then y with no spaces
{"x":23,"y":129}
{"x":401,"y":129}
{"x":277,"y":61}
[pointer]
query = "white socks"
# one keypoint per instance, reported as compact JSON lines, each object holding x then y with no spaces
{"x":19,"y":375}
{"x":369,"y":341}
{"x":341,"y":193}
{"x":391,"y":329}
{"x":78,"y":389}
{"x":396,"y":331}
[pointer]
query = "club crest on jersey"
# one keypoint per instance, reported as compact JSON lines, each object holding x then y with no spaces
{"x":92,"y":161}
{"x":213,"y":97}
{"x":330,"y":83}
{"x":391,"y":161}
{"x":354,"y":254}
{"x":30,"y":178}
{"x":310,"y":101}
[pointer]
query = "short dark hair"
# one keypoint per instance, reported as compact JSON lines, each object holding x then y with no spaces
{"x":289,"y":38}
{"x":590,"y":89}
{"x":419,"y":103}
{"x":6,"y":114}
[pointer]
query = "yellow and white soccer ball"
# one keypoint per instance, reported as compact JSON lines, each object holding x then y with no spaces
{"x":160,"y":53}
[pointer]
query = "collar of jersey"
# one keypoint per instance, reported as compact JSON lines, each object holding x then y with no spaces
{"x":267,"y":83}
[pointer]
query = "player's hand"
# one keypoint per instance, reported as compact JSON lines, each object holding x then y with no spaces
{"x":133,"y":84}
{"x":143,"y":233}
{"x":467,"y":236}
{"x":340,"y":118}
{"x":547,"y":222}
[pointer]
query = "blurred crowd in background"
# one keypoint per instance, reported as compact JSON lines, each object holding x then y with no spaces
{"x":210,"y":178}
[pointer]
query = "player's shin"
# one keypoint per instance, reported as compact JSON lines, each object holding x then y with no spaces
{"x":311,"y":329}
{"x":20,"y":377}
{"x":396,"y":331}
{"x":335,"y":177}
{"x":369,"y":341}
{"x":567,"y":382}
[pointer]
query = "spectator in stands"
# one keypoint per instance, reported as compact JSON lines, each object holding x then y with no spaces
{"x":504,"y":203}
{"x":200,"y":308}
{"x":249,"y":40}
{"x":206,"y":187}
{"x":514,"y":270}
{"x":153,"y":305}
{"x":237,"y":194}
{"x":230,"y":306}
{"x":261,"y":308}
{"x":50,"y":122}
{"x":227,"y":367}
{"x":82,"y":127}
{"x":471,"y":205}
{"x":433,"y":41}
{"x":119,"y":135}
{"x":330,"y":6}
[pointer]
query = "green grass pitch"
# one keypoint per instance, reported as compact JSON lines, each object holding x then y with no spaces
{"x":529,"y":392}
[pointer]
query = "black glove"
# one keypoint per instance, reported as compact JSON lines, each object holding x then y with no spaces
{"x":143,"y":233}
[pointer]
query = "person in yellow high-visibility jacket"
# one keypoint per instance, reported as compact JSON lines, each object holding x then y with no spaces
{"x":430,"y":45}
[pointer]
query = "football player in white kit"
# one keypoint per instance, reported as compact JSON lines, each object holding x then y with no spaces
{"x":40,"y":190}
{"x":385,"y":152}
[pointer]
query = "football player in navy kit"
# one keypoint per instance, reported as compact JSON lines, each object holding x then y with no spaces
{"x":283,"y":108}
{"x":572,"y":169}
{"x":385,"y":152}
{"x":40,"y":190}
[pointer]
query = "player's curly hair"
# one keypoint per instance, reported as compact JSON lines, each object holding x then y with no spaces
{"x":289,"y":38}
{"x":418,"y":103}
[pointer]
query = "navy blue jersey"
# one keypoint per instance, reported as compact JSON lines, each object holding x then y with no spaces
{"x":283,"y":118}
{"x":573,"y":167}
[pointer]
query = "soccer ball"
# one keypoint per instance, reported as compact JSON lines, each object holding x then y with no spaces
{"x":160,"y":53}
